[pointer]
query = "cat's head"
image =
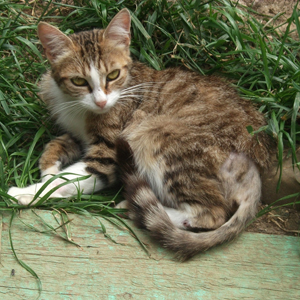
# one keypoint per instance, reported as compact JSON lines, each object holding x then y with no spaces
{"x":90,"y":67}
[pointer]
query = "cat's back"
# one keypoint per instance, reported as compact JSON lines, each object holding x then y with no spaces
{"x":208,"y":106}
{"x":176,"y":89}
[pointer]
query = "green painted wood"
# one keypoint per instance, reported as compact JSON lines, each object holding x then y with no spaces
{"x":254,"y":266}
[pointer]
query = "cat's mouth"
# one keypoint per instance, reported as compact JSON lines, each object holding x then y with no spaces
{"x":101,"y":107}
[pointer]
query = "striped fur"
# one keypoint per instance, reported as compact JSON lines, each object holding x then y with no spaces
{"x":179,"y":140}
{"x":147,"y":211}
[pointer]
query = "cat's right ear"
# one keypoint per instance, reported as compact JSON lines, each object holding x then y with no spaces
{"x":53,"y":40}
{"x":118,"y":30}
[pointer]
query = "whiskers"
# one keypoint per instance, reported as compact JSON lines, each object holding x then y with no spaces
{"x":128,"y":97}
{"x":74,"y":108}
{"x":136,"y":92}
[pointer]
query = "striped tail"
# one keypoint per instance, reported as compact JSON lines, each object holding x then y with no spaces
{"x":147,"y":211}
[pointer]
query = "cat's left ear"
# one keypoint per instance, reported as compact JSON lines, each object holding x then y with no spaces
{"x":118,"y":30}
{"x":55,"y":43}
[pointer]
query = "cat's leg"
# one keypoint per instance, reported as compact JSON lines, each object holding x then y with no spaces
{"x":123,"y":204}
{"x":179,"y":218}
{"x":73,"y":172}
{"x":101,"y":172}
{"x":241,"y":186}
{"x":59,"y":152}
{"x":195,"y":216}
{"x":186,"y":217}
{"x":166,"y":154}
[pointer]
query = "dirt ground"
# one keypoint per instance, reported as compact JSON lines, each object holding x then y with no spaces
{"x":284,"y":220}
{"x":271,"y":7}
{"x":279,"y":10}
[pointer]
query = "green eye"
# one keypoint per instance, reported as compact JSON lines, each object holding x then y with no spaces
{"x":113,"y":75}
{"x":78,"y":81}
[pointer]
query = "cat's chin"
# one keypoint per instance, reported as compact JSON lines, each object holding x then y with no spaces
{"x":101,"y":111}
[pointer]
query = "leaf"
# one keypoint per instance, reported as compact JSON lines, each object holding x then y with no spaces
{"x":31,"y":46}
{"x":30,"y":151}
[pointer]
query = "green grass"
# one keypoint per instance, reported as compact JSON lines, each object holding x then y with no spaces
{"x":209,"y":37}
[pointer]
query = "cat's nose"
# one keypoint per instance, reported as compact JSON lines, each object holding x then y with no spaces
{"x":101,"y":104}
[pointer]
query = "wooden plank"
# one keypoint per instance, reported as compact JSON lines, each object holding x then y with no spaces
{"x":254,"y":266}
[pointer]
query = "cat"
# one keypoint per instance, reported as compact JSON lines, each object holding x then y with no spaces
{"x":176,"y":140}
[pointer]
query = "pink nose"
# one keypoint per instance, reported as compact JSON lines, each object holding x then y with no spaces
{"x":101,"y":104}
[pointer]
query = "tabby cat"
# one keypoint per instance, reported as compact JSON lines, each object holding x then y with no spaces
{"x":177,"y":141}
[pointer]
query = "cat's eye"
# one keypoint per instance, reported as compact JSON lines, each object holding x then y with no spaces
{"x":78,"y":81}
{"x":113,"y":75}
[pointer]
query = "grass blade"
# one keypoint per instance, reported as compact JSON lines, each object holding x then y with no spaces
{"x":24,"y":265}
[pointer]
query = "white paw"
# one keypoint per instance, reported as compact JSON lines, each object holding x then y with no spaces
{"x":48,"y":173}
{"x":178,"y":217}
{"x":23,"y":195}
{"x":123,"y":204}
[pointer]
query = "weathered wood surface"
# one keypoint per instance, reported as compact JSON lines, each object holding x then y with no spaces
{"x":254,"y":266}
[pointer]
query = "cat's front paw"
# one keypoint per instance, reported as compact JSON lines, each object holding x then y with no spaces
{"x":123,"y":204}
{"x":48,"y":173}
{"x":23,"y":195}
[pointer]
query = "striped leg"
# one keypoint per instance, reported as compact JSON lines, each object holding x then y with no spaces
{"x":59,"y":152}
{"x":101,"y":169}
{"x":77,"y":170}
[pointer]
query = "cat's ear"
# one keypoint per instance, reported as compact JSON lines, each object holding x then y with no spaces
{"x":53,"y":40}
{"x":118,"y":30}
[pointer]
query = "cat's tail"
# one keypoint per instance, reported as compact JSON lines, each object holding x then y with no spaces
{"x":147,"y":211}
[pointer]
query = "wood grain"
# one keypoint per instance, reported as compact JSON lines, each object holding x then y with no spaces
{"x":254,"y":266}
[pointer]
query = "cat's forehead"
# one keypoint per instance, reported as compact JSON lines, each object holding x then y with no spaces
{"x":88,"y":43}
{"x":94,"y":51}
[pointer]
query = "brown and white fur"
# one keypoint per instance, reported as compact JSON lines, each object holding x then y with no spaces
{"x":177,"y":140}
